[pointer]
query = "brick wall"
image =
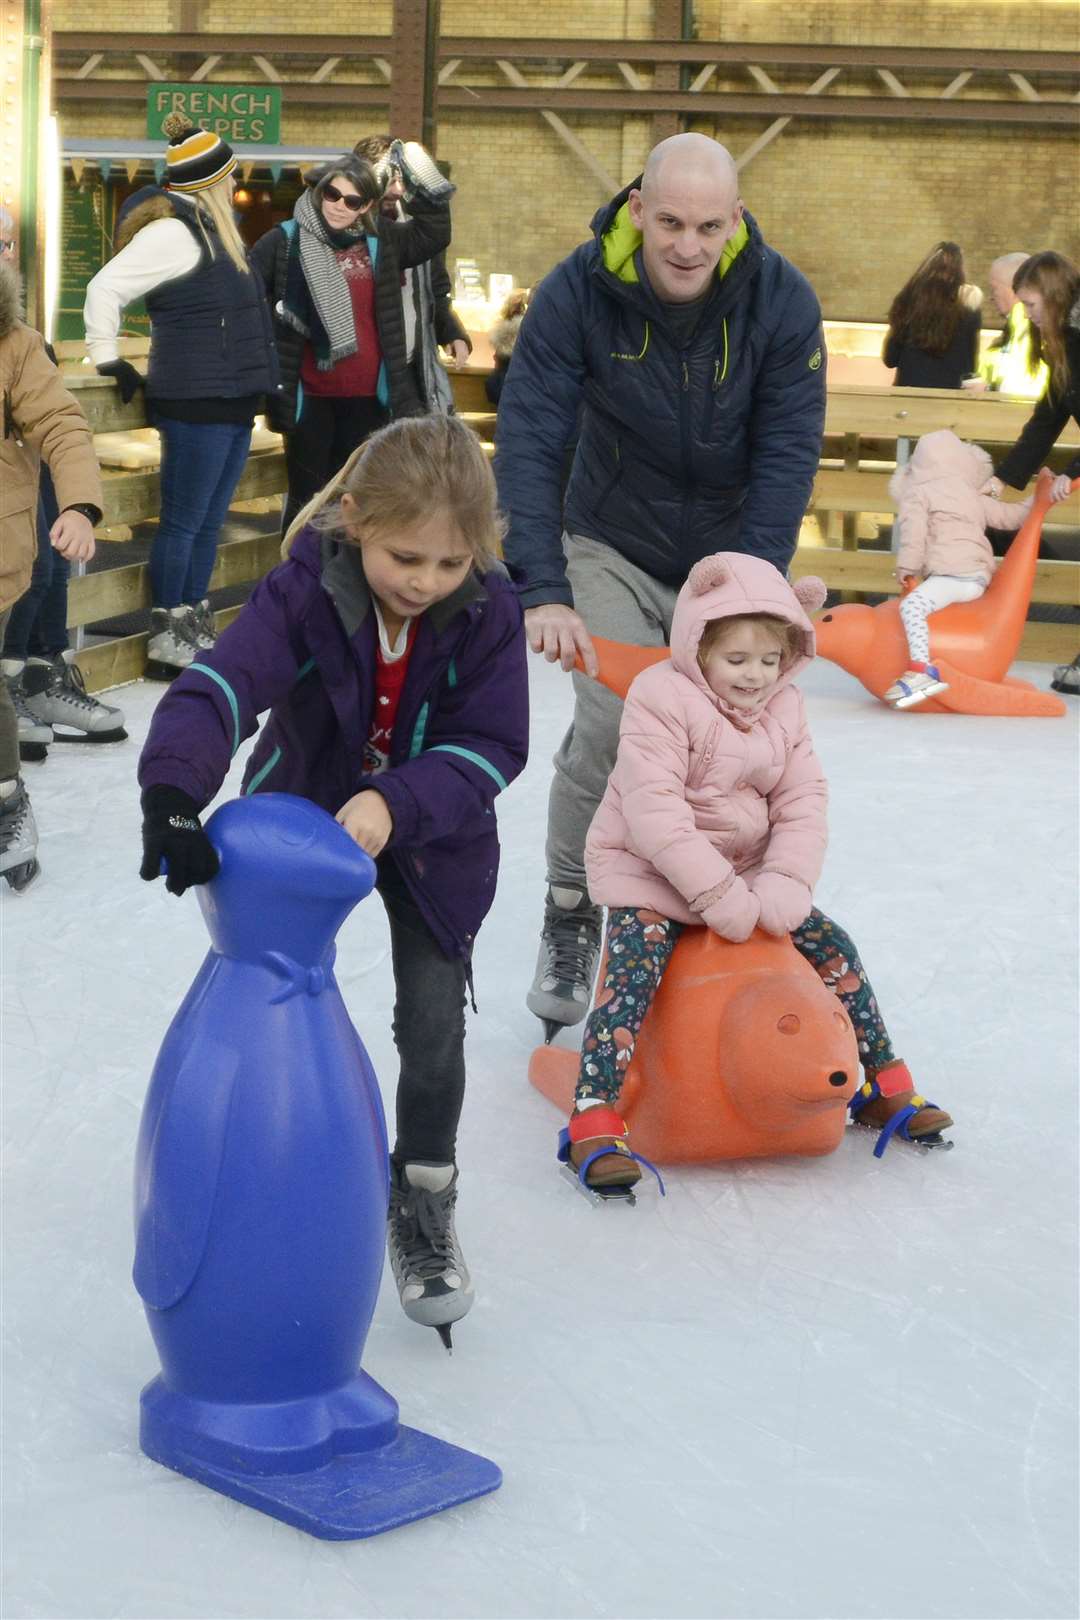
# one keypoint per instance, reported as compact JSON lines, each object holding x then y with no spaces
{"x":856,"y":206}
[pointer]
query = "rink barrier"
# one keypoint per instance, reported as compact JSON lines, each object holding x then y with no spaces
{"x":866,"y":430}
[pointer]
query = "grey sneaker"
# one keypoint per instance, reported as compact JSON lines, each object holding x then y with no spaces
{"x":56,"y":694}
{"x":18,"y":839}
{"x":432,"y":1278}
{"x":34,"y":735}
{"x":569,"y":953}
{"x":172,"y":645}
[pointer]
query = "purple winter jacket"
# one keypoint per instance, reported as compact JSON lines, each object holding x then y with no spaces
{"x":304,"y":648}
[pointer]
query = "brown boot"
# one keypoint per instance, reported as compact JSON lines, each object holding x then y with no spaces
{"x":887,"y":1094}
{"x":601,"y":1127}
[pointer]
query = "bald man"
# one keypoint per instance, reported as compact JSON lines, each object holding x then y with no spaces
{"x":1009,"y":366}
{"x":693,"y":356}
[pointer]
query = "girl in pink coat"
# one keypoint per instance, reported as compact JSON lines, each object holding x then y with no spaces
{"x":943,"y":519}
{"x":714,"y":816}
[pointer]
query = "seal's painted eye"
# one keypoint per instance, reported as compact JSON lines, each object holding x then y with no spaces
{"x":789,"y":1024}
{"x":826,"y":618}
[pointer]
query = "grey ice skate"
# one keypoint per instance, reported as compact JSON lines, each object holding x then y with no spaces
{"x":561,"y":991}
{"x":34,"y":735}
{"x":202,"y":623}
{"x":432,"y":1278}
{"x":1067,"y":678}
{"x":173,"y":643}
{"x":56,"y":695}
{"x":18,"y":839}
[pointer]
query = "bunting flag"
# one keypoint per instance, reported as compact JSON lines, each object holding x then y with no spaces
{"x":78,"y":169}
{"x":159,"y":169}
{"x":275,"y":172}
{"x":131,"y":169}
{"x":105,"y":165}
{"x":246,"y":171}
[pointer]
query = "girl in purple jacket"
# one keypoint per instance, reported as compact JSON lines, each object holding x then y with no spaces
{"x":388,"y":647}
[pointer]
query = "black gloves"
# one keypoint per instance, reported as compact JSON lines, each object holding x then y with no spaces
{"x":172,"y":830}
{"x":128,"y":380}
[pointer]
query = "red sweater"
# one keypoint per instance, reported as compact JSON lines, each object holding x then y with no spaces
{"x":357,"y":376}
{"x":389,"y":683}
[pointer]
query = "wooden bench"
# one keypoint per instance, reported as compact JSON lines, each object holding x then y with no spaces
{"x":867,"y":425}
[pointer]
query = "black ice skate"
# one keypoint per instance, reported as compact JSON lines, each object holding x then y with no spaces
{"x":18,"y":840}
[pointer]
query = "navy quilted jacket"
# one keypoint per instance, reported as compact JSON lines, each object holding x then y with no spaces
{"x":683,"y":451}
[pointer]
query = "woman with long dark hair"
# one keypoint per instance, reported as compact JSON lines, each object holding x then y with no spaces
{"x":332,"y":275}
{"x":933,"y":336}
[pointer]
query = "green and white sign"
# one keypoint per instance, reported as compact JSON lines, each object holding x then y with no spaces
{"x":242,"y":114}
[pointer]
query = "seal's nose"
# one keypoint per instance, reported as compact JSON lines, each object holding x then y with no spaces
{"x":838,"y":1078}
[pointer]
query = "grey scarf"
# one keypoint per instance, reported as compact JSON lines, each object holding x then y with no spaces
{"x":327,"y":287}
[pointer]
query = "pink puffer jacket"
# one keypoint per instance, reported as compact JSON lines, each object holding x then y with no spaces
{"x":942,"y":517}
{"x":713,"y":815}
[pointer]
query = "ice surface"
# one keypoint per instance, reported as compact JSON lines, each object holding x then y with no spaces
{"x":835,"y":1387}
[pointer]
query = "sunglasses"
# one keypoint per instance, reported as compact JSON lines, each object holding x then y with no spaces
{"x":349,"y":198}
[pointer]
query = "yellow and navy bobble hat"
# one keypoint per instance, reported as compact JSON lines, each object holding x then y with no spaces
{"x":194,"y":158}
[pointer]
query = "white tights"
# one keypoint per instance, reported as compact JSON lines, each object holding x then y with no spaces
{"x":936,"y":592}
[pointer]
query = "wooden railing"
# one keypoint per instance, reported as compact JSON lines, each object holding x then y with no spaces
{"x":866,"y":429}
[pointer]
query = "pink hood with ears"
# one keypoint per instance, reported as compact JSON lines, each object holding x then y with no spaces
{"x":726,"y":585}
{"x":941,"y":515}
{"x":704,"y":798}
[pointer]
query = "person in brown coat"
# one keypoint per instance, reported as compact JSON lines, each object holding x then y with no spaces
{"x":41,"y":421}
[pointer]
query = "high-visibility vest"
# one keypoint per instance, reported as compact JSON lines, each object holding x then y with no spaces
{"x":1007,"y":365}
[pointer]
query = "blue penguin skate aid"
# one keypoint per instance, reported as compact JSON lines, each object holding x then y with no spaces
{"x":261,"y":1194}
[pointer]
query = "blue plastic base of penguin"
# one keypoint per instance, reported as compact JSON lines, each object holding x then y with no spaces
{"x":341,"y":1483}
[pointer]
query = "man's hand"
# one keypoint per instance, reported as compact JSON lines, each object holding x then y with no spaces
{"x":458,"y":351}
{"x":1061,"y":488}
{"x":994,"y":487}
{"x":73,"y":536}
{"x":367,"y":819}
{"x":560,"y":634}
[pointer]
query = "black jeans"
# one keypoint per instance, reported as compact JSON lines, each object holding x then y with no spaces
{"x":326,"y":433}
{"x":38,"y":624}
{"x":429,"y":1029}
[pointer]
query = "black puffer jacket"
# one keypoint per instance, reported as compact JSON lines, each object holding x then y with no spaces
{"x":684,"y":450}
{"x":1048,"y":418}
{"x":402,"y":244}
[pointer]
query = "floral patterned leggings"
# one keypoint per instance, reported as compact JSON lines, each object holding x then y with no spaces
{"x":639,"y":947}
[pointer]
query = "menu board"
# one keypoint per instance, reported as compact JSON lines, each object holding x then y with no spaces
{"x":84,"y":248}
{"x":86,"y":226}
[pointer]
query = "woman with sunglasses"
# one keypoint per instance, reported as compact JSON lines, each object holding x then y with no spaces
{"x":333,"y":277}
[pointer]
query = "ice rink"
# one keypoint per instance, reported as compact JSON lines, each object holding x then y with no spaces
{"x":809,"y":1388}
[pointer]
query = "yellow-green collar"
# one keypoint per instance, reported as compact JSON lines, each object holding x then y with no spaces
{"x":622,"y":239}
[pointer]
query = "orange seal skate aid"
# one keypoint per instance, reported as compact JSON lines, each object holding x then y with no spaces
{"x":972,"y":644}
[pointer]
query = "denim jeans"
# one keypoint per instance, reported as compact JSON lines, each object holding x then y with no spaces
{"x":201,"y":463}
{"x":37,"y":627}
{"x":429,"y":1028}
